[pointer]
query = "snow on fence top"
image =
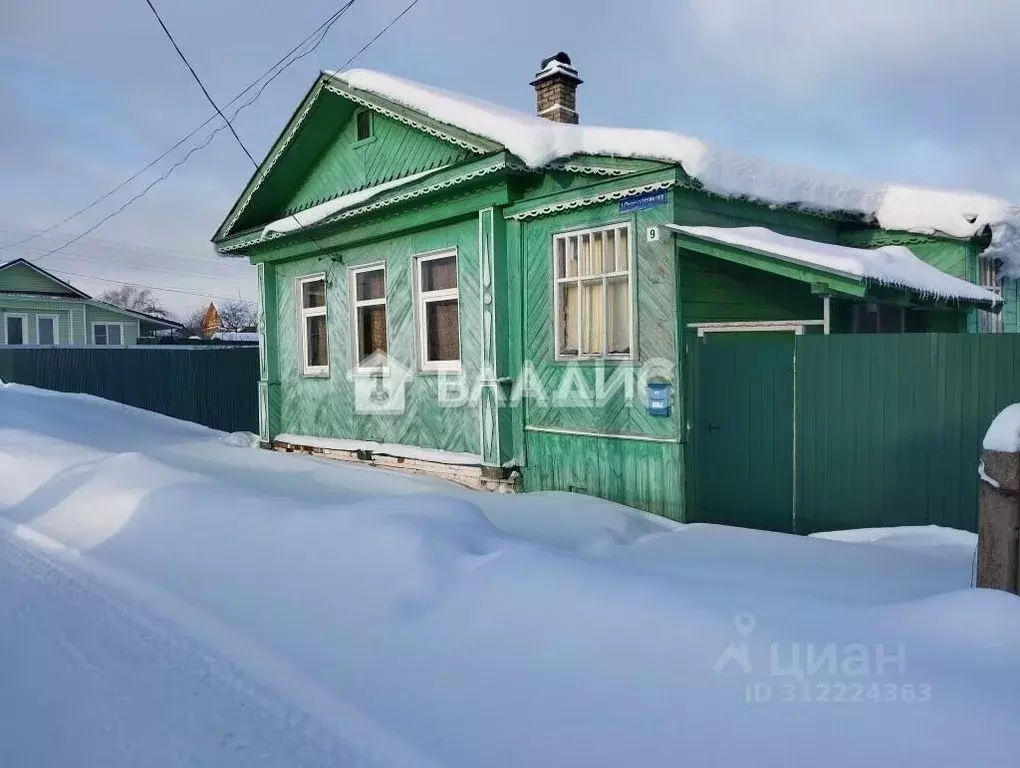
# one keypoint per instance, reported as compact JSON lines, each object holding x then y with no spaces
{"x":891,"y":265}
{"x":1004,"y":432}
{"x":730,"y":174}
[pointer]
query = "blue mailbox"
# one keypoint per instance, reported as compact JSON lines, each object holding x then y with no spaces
{"x":659,"y":396}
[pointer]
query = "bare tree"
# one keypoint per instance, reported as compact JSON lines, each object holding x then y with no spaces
{"x":193,"y":321}
{"x":238,"y":315}
{"x":136,"y":299}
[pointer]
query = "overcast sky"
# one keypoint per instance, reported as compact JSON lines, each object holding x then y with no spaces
{"x":919,"y":91}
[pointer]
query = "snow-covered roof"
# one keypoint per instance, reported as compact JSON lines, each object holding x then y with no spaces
{"x":892,"y":265}
{"x":235,"y":336}
{"x":319,"y":212}
{"x":539,"y":142}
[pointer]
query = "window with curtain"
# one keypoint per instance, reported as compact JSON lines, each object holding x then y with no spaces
{"x":592,"y":293}
{"x":314,"y":344}
{"x":370,"y":332}
{"x":438,"y":312}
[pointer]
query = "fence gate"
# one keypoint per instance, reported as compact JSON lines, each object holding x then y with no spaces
{"x":742,"y":436}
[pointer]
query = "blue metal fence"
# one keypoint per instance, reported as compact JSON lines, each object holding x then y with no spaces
{"x":214,"y":386}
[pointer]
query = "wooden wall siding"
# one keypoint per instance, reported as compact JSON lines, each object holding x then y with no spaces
{"x":31,"y":310}
{"x":713,"y":290}
{"x":654,"y":320}
{"x":324,"y":407}
{"x":644,"y":475}
{"x":1011,"y":305}
{"x":395,"y":150}
{"x":27,"y":280}
{"x":100,"y":315}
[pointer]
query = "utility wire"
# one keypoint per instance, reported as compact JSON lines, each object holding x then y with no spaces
{"x":140,"y":285}
{"x":198,"y":80}
{"x":364,"y":48}
{"x":322,"y":30}
{"x":328,"y":24}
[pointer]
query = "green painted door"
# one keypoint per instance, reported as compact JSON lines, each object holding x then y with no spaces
{"x":742,"y":430}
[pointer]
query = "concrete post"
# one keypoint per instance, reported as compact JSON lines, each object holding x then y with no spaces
{"x":998,"y":556}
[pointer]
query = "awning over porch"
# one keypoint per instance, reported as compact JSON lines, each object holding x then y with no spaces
{"x":891,"y":266}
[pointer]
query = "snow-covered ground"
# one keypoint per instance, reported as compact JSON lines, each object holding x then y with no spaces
{"x":168,"y":597}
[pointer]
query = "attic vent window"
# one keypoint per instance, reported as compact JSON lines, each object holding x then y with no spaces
{"x":364,"y":125}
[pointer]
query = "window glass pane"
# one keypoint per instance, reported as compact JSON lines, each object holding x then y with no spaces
{"x":585,"y":254}
{"x":571,"y":257}
{"x":316,"y":353}
{"x":618,"y":315}
{"x":596,"y":253}
{"x":371,"y":285}
{"x":371,"y":331}
{"x":442,"y":328}
{"x":622,"y":252}
{"x":569,"y":300}
{"x":99,"y":334}
{"x":364,"y":125}
{"x":15,"y":330}
{"x":439,"y":274}
{"x":113,"y":334}
{"x":313,"y":294}
{"x":591,"y":318}
{"x":46,"y":330}
{"x":890,"y":319}
{"x":561,"y":256}
{"x":609,"y":258}
{"x":867,"y":318}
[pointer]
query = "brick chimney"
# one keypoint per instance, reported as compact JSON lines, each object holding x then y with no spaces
{"x":556,"y":89}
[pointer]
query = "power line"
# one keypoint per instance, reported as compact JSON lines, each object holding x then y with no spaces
{"x":140,"y":285}
{"x":133,"y":265}
{"x":204,"y":144}
{"x":322,"y":28}
{"x":119,"y":245}
{"x":198,"y":80}
{"x":215,"y":132}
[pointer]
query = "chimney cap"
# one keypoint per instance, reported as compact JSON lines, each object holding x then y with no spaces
{"x":558,"y":64}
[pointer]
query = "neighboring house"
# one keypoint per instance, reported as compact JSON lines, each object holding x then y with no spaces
{"x":450,"y":284}
{"x":38,"y":308}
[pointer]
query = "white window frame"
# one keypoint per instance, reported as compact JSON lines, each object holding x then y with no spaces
{"x":423,"y":299}
{"x":92,"y":335}
{"x":306,"y":312}
{"x":356,"y":305}
{"x":24,"y":328}
{"x":56,"y":329}
{"x":629,"y":273}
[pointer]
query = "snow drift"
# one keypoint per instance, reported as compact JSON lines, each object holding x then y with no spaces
{"x":441,"y":626}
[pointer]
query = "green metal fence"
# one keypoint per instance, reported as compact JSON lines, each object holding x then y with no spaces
{"x":214,"y":386}
{"x":887,"y":429}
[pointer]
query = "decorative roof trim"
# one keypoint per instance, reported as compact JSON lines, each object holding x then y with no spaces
{"x":582,"y":202}
{"x":263,"y":171}
{"x":256,"y":238}
{"x":588,"y":170}
{"x":348,"y":93}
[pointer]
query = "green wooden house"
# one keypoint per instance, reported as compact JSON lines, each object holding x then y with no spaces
{"x":453,"y":287}
{"x":38,"y":308}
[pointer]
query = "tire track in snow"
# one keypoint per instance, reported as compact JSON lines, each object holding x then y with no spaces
{"x":132,"y":689}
